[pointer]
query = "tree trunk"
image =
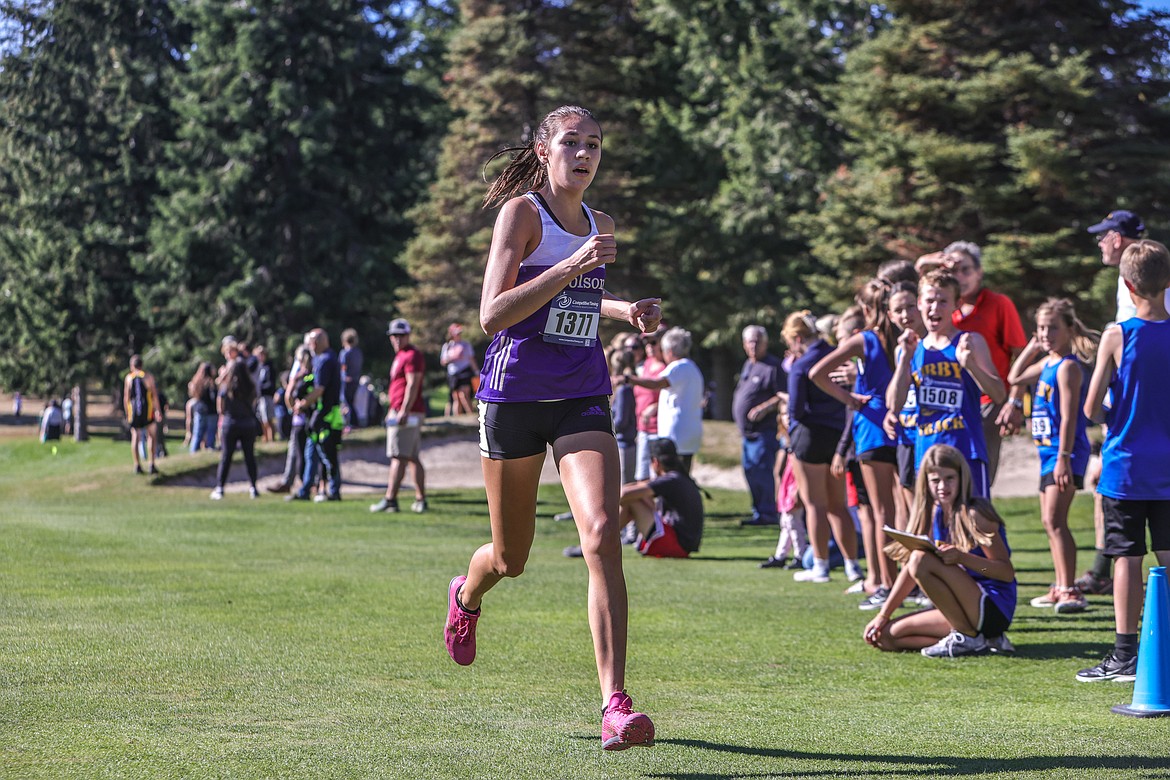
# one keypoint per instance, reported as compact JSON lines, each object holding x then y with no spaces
{"x":80,"y":418}
{"x":724,"y":378}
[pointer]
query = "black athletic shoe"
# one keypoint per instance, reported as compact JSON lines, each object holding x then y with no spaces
{"x":1110,"y":669}
{"x":774,"y":563}
{"x":752,"y":521}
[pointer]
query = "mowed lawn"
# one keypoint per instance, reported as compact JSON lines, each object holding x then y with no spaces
{"x":147,"y":632}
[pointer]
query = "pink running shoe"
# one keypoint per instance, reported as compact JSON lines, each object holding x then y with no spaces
{"x":623,"y":728}
{"x":459,"y":630}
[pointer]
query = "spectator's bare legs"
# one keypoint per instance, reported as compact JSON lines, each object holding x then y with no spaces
{"x":152,"y":431}
{"x":956,"y":598}
{"x":394,"y":481}
{"x":880,"y":482}
{"x":823,"y":496}
{"x":641,"y":511}
{"x":905,"y":501}
{"x":135,"y":439}
{"x":1054,"y":506}
{"x":420,"y":479}
{"x":810,"y":486}
{"x":839,"y":519}
{"x":588,"y":463}
{"x":873,"y":577}
{"x":1128,"y":590}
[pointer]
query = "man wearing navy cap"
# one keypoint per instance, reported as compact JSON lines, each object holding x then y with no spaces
{"x":1114,"y":233}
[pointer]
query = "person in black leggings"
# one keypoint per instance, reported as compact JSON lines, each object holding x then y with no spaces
{"x":239,"y":425}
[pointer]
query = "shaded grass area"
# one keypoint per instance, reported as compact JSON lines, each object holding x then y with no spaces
{"x":148,"y":632}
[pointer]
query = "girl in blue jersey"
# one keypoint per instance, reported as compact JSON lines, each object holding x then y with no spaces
{"x":949,"y":371}
{"x":966,"y":572}
{"x":544,"y":381}
{"x":903,"y":423}
{"x":873,"y":350}
{"x":1056,"y":362}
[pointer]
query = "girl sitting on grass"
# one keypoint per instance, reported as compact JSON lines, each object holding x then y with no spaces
{"x":967,"y":573}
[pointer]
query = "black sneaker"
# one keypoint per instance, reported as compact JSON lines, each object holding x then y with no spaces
{"x":794,"y":563}
{"x":574,"y":552}
{"x":774,"y":563}
{"x":754,"y":521}
{"x":630,"y":533}
{"x":1110,"y":669}
{"x":876,"y":599}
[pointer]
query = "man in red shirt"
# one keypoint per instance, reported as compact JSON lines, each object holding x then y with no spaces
{"x":407,"y":408}
{"x":994,"y":317}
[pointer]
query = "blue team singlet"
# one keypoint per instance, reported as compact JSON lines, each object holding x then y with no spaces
{"x":1046,"y":420}
{"x":553,"y":353}
{"x":948,"y":404}
{"x":1002,"y":594}
{"x":873,"y":377}
{"x":1136,"y":452}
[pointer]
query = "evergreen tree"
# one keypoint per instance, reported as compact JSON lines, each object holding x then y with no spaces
{"x":748,"y":125}
{"x":492,"y":85}
{"x":299,"y":152}
{"x":83,"y":116}
{"x":1012,"y":125}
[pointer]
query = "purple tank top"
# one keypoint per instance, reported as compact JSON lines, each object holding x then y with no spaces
{"x":553,"y":353}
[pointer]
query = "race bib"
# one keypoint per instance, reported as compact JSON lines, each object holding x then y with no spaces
{"x":573,"y":317}
{"x":940,"y":397}
{"x":1041,"y":426}
{"x":911,"y":404}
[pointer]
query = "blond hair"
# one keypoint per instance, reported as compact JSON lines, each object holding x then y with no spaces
{"x":964,"y":534}
{"x":1085,"y":339}
{"x":799,"y":323}
{"x":1145,"y":264}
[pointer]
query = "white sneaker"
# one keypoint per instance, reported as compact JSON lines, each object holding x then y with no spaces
{"x":811,"y":575}
{"x":419,"y":505}
{"x":217,"y":494}
{"x":956,"y":644}
{"x":853,"y":571}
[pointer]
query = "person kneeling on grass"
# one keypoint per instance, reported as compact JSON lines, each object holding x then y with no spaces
{"x":967,"y":573}
{"x":667,"y":509}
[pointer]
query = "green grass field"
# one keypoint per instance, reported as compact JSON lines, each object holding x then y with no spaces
{"x":146,"y":632}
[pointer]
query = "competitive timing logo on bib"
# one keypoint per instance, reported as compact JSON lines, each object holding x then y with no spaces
{"x":564,"y":301}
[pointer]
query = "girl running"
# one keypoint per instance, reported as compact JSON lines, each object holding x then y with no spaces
{"x":544,"y":381}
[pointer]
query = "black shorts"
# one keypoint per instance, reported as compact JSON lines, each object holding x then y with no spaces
{"x":858,"y":483}
{"x":1125,"y":526}
{"x":879,"y":455}
{"x":906,"y":473}
{"x":814,"y":444}
{"x":1050,"y":479}
{"x":521,"y":430}
{"x":459,"y":379}
{"x":993,"y":622}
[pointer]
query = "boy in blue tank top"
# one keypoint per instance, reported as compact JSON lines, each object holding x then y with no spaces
{"x":949,"y":370}
{"x":1135,"y":483}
